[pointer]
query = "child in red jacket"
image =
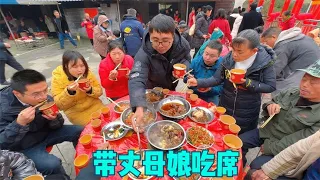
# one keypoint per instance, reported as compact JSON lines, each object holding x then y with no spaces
{"x":287,"y":21}
{"x":87,"y":23}
{"x":114,"y":71}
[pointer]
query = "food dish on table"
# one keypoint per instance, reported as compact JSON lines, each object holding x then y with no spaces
{"x":201,"y":115}
{"x":123,"y":106}
{"x":138,"y":165}
{"x":114,"y":131}
{"x":153,"y":96}
{"x":166,"y":135}
{"x":173,"y":109}
{"x":149,"y":117}
{"x":199,"y":137}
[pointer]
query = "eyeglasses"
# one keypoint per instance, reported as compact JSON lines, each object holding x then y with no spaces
{"x":157,"y":43}
{"x":38,"y":95}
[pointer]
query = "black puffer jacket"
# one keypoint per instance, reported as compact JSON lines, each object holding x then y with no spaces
{"x":152,"y":69}
{"x":244,"y":103}
{"x":20,"y":166}
{"x":202,"y":28}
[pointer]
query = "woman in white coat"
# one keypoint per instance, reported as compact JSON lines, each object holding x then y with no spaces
{"x":236,"y":26}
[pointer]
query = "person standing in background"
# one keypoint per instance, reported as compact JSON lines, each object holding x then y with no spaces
{"x":192,"y":17}
{"x":232,"y":18}
{"x":7,"y":58}
{"x":236,"y":26}
{"x":222,"y":23}
{"x":252,"y":19}
{"x":132,"y":32}
{"x":63,"y":29}
{"x":88,"y":24}
{"x":177,"y":16}
{"x":202,"y":27}
{"x":102,"y":36}
{"x":288,"y":20}
{"x":100,"y":12}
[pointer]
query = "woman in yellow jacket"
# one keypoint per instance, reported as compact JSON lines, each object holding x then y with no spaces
{"x":78,"y":104}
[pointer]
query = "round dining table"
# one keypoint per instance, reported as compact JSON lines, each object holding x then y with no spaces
{"x":130,"y":141}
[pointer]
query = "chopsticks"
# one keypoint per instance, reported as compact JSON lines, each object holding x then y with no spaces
{"x":104,"y":137}
{"x":78,"y":78}
{"x":182,"y":76}
{"x":185,"y":87}
{"x":40,"y":104}
{"x":267,"y":121}
{"x":234,"y":85}
{"x":113,"y":102}
{"x":117,"y":66}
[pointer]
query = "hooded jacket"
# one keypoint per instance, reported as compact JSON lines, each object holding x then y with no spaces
{"x":100,"y":37}
{"x":132,"y":32}
{"x":294,"y":51}
{"x":118,"y":88}
{"x":79,"y":106}
{"x":20,"y":166}
{"x":152,"y":69}
{"x":15,"y":137}
{"x":244,"y":102}
{"x":201,"y":28}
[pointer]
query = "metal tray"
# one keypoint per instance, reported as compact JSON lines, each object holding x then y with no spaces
{"x":207,"y":111}
{"x":113,"y":124}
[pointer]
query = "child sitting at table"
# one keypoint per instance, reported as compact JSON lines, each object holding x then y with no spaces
{"x":77,"y":103}
{"x":205,"y":66}
{"x":114,"y":71}
{"x":243,"y":100}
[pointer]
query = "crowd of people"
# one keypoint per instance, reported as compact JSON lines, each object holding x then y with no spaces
{"x":134,"y":60}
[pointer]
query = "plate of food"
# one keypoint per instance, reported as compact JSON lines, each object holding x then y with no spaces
{"x":174,"y":107}
{"x":201,"y":115}
{"x":138,"y":165}
{"x":199,"y":137}
{"x":166,"y":135}
{"x":123,"y":106}
{"x":154,"y":96}
{"x":114,"y":131}
{"x":192,"y":177}
{"x":150,"y":116}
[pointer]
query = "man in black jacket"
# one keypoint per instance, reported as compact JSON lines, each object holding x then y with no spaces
{"x":162,"y":47}
{"x":7,"y":58}
{"x":62,"y":29}
{"x":252,"y":19}
{"x":23,"y":128}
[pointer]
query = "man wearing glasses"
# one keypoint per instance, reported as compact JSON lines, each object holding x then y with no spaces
{"x":161,"y":49}
{"x":25,"y":129}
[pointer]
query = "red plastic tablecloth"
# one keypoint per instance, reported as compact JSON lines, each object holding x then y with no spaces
{"x":130,"y":141}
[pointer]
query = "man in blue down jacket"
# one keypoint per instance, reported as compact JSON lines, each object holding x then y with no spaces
{"x":244,"y":101}
{"x":132,"y":32}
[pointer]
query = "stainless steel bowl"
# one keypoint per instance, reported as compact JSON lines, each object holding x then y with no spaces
{"x":120,"y":103}
{"x":154,"y":133}
{"x":174,"y":99}
{"x":207,"y":112}
{"x":155,"y":102}
{"x":108,"y":130}
{"x":125,"y":114}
